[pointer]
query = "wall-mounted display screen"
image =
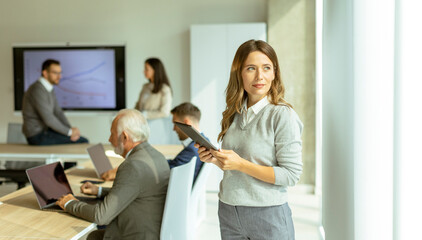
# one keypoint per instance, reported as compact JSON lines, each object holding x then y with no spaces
{"x":93,"y":78}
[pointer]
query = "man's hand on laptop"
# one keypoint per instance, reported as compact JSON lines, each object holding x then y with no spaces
{"x":110,"y":175}
{"x":64,"y":199}
{"x":89,"y":189}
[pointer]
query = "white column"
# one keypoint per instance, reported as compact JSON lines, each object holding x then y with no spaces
{"x":408,"y":121}
{"x":337,"y":121}
{"x":373,"y":63}
{"x":318,"y":109}
{"x":357,"y":120}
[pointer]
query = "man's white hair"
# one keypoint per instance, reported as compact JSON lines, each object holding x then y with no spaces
{"x":134,"y":124}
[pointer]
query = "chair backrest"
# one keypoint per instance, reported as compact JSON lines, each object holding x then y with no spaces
{"x":201,"y":180}
{"x":175,"y":223}
{"x":198,"y":210}
{"x":14,"y":133}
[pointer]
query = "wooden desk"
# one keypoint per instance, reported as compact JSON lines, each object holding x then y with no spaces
{"x":66,"y":151}
{"x":21,"y":217}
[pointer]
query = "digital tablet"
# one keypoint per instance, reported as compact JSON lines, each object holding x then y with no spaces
{"x":195,"y":135}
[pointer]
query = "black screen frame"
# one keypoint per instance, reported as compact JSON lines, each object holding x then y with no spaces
{"x":120,"y":71}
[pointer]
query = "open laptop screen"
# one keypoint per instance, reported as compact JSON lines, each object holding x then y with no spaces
{"x":99,"y":159}
{"x":49,"y":183}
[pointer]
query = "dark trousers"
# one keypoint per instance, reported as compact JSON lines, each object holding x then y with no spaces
{"x":50,"y":137}
{"x":96,"y":235}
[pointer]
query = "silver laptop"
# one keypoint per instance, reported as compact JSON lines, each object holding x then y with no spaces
{"x":99,"y":159}
{"x":50,"y":183}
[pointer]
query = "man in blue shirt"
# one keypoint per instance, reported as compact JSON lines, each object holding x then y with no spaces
{"x":186,"y":113}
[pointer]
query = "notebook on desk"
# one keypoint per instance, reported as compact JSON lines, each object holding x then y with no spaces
{"x":49,"y":182}
{"x":99,"y":159}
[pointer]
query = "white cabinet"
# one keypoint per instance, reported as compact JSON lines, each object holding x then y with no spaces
{"x":212,"y":52}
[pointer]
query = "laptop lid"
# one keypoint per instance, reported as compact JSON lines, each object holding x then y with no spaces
{"x":99,"y":159}
{"x":49,"y":183}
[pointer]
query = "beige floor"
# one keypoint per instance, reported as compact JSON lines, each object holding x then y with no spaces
{"x":305,"y":210}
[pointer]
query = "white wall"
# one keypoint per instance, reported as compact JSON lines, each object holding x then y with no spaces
{"x":150,"y":28}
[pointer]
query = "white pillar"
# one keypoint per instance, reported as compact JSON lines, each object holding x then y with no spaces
{"x":408,"y":121}
{"x":357,"y":96}
{"x":318,"y":109}
{"x":373,"y":63}
{"x":337,"y":121}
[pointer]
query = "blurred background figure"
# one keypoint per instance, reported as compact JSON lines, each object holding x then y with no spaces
{"x":44,"y":122}
{"x":155,"y":98}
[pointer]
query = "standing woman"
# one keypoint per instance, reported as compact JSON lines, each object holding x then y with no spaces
{"x":261,"y":151}
{"x":155,"y":98}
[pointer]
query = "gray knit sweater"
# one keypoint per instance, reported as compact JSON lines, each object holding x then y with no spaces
{"x":40,"y":111}
{"x":272,"y":138}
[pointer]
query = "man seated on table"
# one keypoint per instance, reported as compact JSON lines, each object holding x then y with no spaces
{"x":133,"y":207}
{"x":186,"y":113}
{"x":44,"y":122}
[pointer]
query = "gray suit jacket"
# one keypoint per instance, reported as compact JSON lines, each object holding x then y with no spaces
{"x":133,"y":207}
{"x":40,"y":110}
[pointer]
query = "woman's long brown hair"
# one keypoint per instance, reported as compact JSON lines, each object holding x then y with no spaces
{"x":235,"y":92}
{"x":160,"y":76}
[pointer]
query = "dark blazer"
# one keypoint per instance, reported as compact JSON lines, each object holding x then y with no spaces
{"x":40,"y":111}
{"x":133,"y":207}
{"x":185,"y":156}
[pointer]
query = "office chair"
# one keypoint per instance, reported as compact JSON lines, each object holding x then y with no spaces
{"x":198,"y":206}
{"x":176,"y":223}
{"x":15,"y":170}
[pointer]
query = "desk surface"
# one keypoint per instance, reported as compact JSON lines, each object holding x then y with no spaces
{"x":67,"y":151}
{"x":20,"y":216}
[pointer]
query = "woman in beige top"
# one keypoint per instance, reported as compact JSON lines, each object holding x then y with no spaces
{"x":156,"y":97}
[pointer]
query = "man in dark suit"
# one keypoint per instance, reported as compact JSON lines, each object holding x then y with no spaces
{"x":133,"y":207}
{"x":186,"y":113}
{"x":44,"y":122}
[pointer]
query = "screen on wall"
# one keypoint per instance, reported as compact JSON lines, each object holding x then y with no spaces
{"x":93,"y":78}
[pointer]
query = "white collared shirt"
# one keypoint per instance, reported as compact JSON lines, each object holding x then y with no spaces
{"x":48,"y":86}
{"x":186,"y":142}
{"x":250,"y":113}
{"x":127,"y":154}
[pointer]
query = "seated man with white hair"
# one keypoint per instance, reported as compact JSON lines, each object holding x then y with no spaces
{"x":133,"y":207}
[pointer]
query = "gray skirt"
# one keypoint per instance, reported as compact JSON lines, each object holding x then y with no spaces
{"x":255,"y":223}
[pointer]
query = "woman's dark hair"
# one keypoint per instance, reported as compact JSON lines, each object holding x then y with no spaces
{"x":160,"y":76}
